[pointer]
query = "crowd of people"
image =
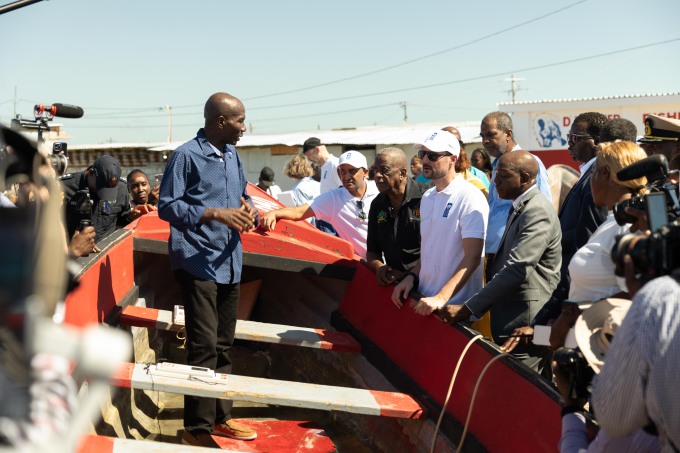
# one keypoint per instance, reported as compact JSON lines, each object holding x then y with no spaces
{"x":490,"y":243}
{"x":460,"y":238}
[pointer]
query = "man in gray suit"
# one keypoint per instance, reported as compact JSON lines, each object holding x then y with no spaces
{"x":525,"y":271}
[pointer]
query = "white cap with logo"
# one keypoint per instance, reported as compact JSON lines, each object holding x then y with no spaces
{"x":440,"y":141}
{"x":353,"y":158}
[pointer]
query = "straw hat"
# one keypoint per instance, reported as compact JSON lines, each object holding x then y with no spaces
{"x":595,"y":329}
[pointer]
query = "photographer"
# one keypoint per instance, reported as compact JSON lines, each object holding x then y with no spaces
{"x":595,"y":331}
{"x":108,"y":192}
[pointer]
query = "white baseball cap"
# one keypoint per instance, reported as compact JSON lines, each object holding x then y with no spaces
{"x":440,"y":141}
{"x":353,"y":158}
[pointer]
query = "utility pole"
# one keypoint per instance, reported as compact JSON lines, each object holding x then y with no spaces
{"x":403,"y":106}
{"x":514,"y":88}
{"x":15,"y":102}
{"x":169,"y":109}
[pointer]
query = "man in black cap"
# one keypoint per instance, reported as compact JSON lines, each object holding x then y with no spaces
{"x":317,"y":153}
{"x":662,"y":136}
{"x":101,"y":187}
{"x":266,"y":182}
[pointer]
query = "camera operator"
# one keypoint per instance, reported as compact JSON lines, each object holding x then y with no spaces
{"x":595,"y":331}
{"x":106,"y":189}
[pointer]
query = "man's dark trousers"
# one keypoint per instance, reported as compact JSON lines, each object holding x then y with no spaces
{"x":210,"y":319}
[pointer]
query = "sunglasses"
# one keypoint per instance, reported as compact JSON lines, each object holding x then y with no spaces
{"x":572,"y":139}
{"x":432,"y":156}
{"x":362,"y":214}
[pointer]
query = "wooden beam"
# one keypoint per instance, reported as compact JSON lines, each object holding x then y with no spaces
{"x":270,"y":391}
{"x":250,"y":330}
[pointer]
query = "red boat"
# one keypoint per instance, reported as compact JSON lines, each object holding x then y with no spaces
{"x":328,"y":340}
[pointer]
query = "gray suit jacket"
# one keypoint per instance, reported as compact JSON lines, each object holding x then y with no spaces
{"x":525,"y":271}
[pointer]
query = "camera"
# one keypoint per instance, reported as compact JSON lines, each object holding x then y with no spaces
{"x":655,"y":255}
{"x":81,"y":204}
{"x":659,"y":252}
{"x":59,"y":163}
{"x":655,"y":168}
{"x":58,"y":159}
{"x":84,"y":223}
{"x":59,"y":147}
{"x":576,"y":370}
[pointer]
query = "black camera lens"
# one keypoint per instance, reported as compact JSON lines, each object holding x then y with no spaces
{"x":84,"y":223}
{"x":627,"y":244}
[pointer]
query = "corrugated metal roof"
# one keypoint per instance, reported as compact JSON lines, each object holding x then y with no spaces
{"x":362,"y":136}
{"x":104,"y":146}
{"x":601,"y":98}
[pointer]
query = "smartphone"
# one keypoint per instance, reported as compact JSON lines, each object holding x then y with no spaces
{"x":656,"y":210}
{"x":158,"y":178}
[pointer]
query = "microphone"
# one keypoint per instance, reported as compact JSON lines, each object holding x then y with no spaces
{"x":653,"y":167}
{"x":60,"y":110}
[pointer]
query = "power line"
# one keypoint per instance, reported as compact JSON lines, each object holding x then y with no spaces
{"x":335,"y":112}
{"x":435,"y":85}
{"x":470,"y":79}
{"x":414,"y":60}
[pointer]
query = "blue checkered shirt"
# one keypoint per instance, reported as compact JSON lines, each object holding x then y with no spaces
{"x":198,"y":176}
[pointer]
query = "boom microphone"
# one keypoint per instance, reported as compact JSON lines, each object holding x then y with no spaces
{"x":60,"y":110}
{"x":653,"y":167}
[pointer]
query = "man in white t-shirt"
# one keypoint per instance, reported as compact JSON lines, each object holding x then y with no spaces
{"x":345,"y":207}
{"x":454,"y":216}
{"x":317,"y":153}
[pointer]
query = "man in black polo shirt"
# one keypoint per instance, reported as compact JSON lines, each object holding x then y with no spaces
{"x":393,"y":244}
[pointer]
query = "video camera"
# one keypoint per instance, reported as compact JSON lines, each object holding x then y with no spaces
{"x":576,"y":371}
{"x":81,"y":203}
{"x":655,"y":168}
{"x":658,"y":252}
{"x":43,"y":114}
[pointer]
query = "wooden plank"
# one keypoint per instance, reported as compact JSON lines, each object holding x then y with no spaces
{"x":250,"y":330}
{"x":269,"y":391}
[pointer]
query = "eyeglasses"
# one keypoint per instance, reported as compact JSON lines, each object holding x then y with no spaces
{"x":572,"y":139}
{"x":432,"y":156}
{"x":362,"y":214}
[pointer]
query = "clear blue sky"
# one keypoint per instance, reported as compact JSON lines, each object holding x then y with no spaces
{"x":123,"y":60}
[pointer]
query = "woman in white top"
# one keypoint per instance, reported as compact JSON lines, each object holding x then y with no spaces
{"x":591,"y":269}
{"x":305,"y":188}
